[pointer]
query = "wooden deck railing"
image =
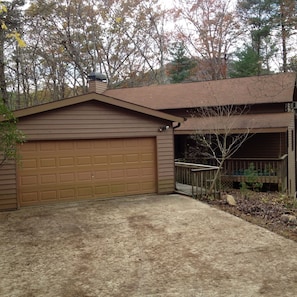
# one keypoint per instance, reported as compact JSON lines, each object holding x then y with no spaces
{"x":197,"y":179}
{"x":271,"y":171}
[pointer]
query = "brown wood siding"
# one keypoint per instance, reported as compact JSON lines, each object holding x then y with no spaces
{"x":89,"y":120}
{"x":266,"y":145}
{"x":252,"y":109}
{"x":267,"y":108}
{"x":8,"y":197}
{"x":165,"y":163}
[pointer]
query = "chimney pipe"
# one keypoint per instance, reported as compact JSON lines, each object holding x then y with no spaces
{"x":97,"y":82}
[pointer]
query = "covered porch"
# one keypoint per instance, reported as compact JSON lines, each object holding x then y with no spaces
{"x":269,"y":151}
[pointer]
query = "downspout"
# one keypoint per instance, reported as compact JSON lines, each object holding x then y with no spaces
{"x":177,"y":126}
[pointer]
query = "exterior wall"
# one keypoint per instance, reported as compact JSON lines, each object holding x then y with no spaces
{"x":8,"y":186}
{"x":93,"y":120}
{"x":89,"y":120}
{"x":292,"y":156}
{"x":264,"y":145}
{"x":165,"y":162}
{"x":253,"y":109}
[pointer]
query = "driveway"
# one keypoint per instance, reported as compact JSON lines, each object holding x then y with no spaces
{"x":167,"y":245}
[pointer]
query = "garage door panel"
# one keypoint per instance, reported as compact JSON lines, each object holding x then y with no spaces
{"x":29,"y":180}
{"x":68,"y":177}
{"x":118,"y":189}
{"x":67,"y":194}
{"x":84,"y":192}
{"x":49,"y":195}
{"x":84,"y":176}
{"x":100,"y":160}
{"x":30,"y":197}
{"x":101,"y":175}
{"x":146,"y":186}
{"x":102,"y":191}
{"x":147,"y":171}
{"x":117,"y":173}
{"x":84,"y":145}
{"x":47,"y":163}
{"x":83,"y":161}
{"x":117,"y":144}
{"x":29,"y":163}
{"x":117,"y":159}
{"x":48,"y":179}
{"x":65,"y":146}
{"x":29,"y":147}
{"x":133,"y":172}
{"x":83,"y":169}
{"x":47,"y":147}
{"x":133,"y":187}
{"x":66,"y":161}
{"x":147,"y":157}
{"x":132,"y":158}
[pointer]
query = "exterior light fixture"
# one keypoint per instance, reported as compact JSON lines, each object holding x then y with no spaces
{"x":163,"y":128}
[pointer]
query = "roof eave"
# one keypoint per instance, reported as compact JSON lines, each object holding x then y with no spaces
{"x":97,"y":97}
{"x":235,"y":131}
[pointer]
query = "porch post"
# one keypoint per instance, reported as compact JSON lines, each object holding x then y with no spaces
{"x":292,"y":156}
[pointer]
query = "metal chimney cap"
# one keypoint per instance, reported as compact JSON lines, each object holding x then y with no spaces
{"x":97,"y":76}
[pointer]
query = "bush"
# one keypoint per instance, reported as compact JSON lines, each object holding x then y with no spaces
{"x":251,"y":182}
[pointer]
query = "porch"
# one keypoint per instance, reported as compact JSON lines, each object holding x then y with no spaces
{"x":196,"y":179}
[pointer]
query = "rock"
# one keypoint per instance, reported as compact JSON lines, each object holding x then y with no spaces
{"x":230,"y":200}
{"x":289,"y":219}
{"x":284,"y":218}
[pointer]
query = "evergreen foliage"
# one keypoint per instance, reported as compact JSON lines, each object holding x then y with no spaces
{"x":247,"y":63}
{"x":181,"y":65}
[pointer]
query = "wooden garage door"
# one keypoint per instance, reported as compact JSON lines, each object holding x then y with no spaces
{"x":53,"y":171}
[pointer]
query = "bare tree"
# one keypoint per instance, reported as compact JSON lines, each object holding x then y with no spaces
{"x":209,"y":28}
{"x":222,"y":131}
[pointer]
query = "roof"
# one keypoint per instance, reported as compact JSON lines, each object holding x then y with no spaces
{"x":246,"y":123}
{"x":97,"y":97}
{"x":274,"y":88}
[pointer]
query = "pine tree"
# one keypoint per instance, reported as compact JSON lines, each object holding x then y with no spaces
{"x":247,"y":63}
{"x":181,"y":65}
{"x":258,"y":16}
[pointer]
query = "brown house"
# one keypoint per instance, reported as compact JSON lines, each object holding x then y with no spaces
{"x":89,"y":146}
{"x":271,"y":121}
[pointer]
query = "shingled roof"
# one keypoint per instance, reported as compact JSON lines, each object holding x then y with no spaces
{"x":248,"y":123}
{"x":275,"y":88}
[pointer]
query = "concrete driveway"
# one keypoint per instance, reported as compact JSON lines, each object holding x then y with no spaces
{"x":166,"y":245}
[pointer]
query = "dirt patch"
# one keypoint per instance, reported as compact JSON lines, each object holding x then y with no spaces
{"x":155,"y":246}
{"x":265,"y":209}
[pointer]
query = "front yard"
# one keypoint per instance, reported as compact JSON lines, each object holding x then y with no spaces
{"x":156,"y":246}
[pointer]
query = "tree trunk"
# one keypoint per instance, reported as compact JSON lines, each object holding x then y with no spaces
{"x":284,"y":39}
{"x":3,"y":87}
{"x":212,"y":186}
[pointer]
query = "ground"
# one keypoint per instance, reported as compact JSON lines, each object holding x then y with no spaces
{"x":265,"y":209}
{"x":143,"y":246}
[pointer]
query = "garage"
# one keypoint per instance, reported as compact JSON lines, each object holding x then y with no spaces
{"x":88,"y":147}
{"x":54,"y":171}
